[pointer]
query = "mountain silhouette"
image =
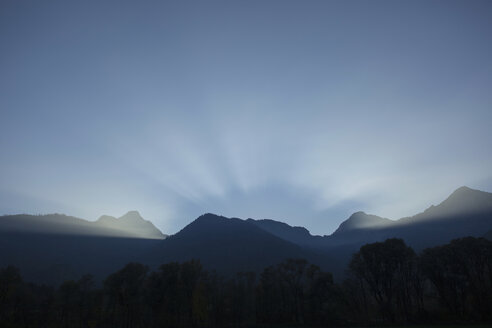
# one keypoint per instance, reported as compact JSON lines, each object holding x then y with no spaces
{"x":462,"y":202}
{"x":361,"y":220}
{"x":52,"y":248}
{"x":228,"y":245}
{"x":130,"y":225}
{"x":297,"y":235}
{"x":466,"y":212}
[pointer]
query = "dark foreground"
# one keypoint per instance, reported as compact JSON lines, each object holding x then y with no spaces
{"x":387,"y":285}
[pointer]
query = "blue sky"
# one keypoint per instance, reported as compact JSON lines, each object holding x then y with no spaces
{"x":302,"y":111}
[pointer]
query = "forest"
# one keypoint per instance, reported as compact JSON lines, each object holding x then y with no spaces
{"x":386,"y":283}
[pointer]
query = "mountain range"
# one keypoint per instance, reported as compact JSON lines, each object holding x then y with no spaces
{"x":51,"y":248}
{"x":130,"y":225}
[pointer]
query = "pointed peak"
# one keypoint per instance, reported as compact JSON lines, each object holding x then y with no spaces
{"x":132,"y":215}
{"x":358,"y":215}
{"x":131,"y":224}
{"x":361,"y":220}
{"x":463,"y":189}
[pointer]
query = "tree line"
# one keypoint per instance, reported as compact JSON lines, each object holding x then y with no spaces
{"x":386,"y":283}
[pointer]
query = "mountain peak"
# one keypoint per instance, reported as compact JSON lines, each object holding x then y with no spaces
{"x":229,"y":245}
{"x":131,"y":224}
{"x":362,"y":220}
{"x":209,"y":216}
{"x":463,"y":199}
{"x":358,"y":215}
{"x":207,"y":219}
{"x":463,"y":189}
{"x":132,"y":216}
{"x":463,"y":192}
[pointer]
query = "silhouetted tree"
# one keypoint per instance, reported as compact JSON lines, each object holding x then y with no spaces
{"x":461,"y":273}
{"x":240,"y":298}
{"x":125,"y":293}
{"x":272,"y":298}
{"x":293,"y":274}
{"x":389,"y":269}
{"x":294,"y":292}
{"x":11,"y":288}
{"x":177,"y":294}
{"x":78,"y":302}
{"x":386,"y":282}
{"x":324,"y":301}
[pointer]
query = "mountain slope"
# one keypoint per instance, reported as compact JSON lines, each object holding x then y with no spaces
{"x":361,"y":220}
{"x":296,"y":235}
{"x":228,"y":246}
{"x":130,"y":225}
{"x":463,"y":201}
{"x":53,"y":248}
{"x":466,"y":212}
{"x":53,"y":258}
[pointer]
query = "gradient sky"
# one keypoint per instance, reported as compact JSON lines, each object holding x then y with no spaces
{"x":301,"y":111}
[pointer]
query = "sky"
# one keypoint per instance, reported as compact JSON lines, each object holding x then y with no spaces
{"x":299,"y":111}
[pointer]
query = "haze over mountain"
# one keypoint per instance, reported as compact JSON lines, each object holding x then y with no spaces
{"x":466,"y":212}
{"x":53,"y":248}
{"x":130,"y":225}
{"x":361,"y":220}
{"x":62,"y":246}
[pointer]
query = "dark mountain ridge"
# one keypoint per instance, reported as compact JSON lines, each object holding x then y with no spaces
{"x":465,"y":212}
{"x":297,"y":235}
{"x":61,"y":244}
{"x":229,"y":245}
